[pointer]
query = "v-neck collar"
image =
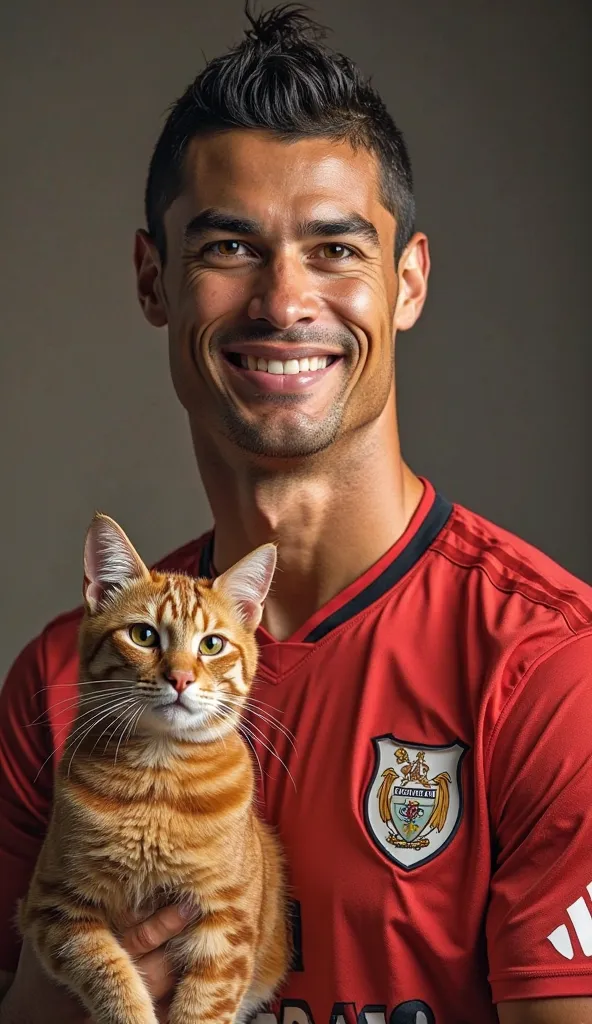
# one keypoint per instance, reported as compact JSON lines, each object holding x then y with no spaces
{"x":429,"y":518}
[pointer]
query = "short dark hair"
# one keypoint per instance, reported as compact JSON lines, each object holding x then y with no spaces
{"x":282,"y":78}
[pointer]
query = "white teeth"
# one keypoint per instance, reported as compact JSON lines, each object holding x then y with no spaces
{"x":289,"y":366}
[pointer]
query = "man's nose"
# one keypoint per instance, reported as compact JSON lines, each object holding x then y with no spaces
{"x":180,"y":678}
{"x":284,"y":294}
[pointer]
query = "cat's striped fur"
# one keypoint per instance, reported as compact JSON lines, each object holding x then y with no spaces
{"x":154,"y":796}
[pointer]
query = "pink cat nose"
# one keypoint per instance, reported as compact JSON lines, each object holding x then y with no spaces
{"x":180,"y":679}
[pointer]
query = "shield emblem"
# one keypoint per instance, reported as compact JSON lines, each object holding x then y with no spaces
{"x":413,"y":804}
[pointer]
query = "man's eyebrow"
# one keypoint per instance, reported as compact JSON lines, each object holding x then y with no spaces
{"x":352,"y":224}
{"x":218,"y":220}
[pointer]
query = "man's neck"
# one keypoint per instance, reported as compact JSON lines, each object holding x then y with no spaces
{"x":332,"y":517}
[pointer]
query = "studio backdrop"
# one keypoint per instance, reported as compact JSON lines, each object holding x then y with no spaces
{"x":494,"y":382}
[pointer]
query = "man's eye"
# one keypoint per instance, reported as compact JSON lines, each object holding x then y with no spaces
{"x":226,"y":248}
{"x":335,"y":251}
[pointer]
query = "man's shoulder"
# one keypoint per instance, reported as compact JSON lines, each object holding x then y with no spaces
{"x":184,"y":559}
{"x":508,"y":571}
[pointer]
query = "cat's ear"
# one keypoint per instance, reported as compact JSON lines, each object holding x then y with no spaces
{"x":109,"y":560}
{"x":247,"y":583}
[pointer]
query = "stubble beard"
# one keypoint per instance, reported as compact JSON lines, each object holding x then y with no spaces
{"x":299,"y":436}
{"x":297,"y":439}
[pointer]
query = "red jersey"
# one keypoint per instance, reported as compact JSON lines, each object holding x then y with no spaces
{"x":435,"y":809}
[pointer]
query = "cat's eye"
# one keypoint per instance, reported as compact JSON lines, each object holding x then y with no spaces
{"x":144,"y":635}
{"x":212,"y":644}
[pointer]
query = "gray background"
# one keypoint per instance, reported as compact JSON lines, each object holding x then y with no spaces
{"x":493,"y":384}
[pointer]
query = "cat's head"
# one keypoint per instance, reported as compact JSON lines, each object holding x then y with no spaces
{"x":172,"y":654}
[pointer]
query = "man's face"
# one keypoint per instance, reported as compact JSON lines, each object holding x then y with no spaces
{"x":280,"y":292}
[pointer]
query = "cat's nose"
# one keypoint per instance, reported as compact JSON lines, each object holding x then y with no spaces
{"x":180,"y":679}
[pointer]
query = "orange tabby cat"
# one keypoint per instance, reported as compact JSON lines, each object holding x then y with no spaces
{"x":154,"y":795}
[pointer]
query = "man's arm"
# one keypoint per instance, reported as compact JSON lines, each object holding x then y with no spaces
{"x":546,"y":1011}
{"x":33,"y":998}
{"x":538,"y":771}
{"x":27,"y":994}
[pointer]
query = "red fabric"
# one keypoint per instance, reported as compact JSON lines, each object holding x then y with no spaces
{"x":484,"y":643}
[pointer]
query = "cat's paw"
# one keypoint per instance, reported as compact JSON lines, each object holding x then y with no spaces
{"x":127,"y":1010}
{"x":131,"y":1016}
{"x":188,"y":1011}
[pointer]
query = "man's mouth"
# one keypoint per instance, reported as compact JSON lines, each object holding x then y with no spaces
{"x":291,"y":367}
{"x":273,"y":369}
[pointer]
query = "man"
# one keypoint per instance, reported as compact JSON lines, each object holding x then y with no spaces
{"x":434,"y":670}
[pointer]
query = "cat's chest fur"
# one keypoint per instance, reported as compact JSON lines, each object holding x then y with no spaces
{"x":146,"y":826}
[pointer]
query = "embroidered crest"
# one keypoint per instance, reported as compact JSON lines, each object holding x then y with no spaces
{"x":414,"y":800}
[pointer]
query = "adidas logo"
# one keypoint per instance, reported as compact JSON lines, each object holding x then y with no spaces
{"x":581,"y":918}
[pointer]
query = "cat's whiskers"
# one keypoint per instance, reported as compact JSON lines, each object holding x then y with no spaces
{"x":65,"y":729}
{"x":254,"y":702}
{"x":118,"y":718}
{"x":81,"y":721}
{"x":262,"y":771}
{"x":91,"y":726}
{"x":250,"y":703}
{"x":85,"y":682}
{"x":216,"y":715}
{"x":136,"y":721}
{"x":131,"y":712}
{"x":260,"y":703}
{"x":261,"y":738}
{"x":264,"y":717}
{"x":79,"y":701}
{"x":253,"y":730}
{"x":223,"y":718}
{"x":111,"y":679}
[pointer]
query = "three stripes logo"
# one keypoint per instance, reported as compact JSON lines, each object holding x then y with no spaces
{"x":581,"y":919}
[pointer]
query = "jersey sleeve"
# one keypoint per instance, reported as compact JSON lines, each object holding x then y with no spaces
{"x":539,"y":923}
{"x":26,"y":776}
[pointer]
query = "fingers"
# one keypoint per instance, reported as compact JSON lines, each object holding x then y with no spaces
{"x":158,"y":974}
{"x":162,"y":1011}
{"x":148,"y":935}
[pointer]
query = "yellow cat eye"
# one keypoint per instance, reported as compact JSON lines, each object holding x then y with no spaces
{"x":144,"y":635}
{"x":212,"y":644}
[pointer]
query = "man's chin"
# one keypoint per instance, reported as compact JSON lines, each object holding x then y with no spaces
{"x":288,"y":440}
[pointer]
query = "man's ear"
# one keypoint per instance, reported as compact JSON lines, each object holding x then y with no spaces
{"x":246,"y":584}
{"x":149,"y":283}
{"x":109,"y":560}
{"x":413,"y":271}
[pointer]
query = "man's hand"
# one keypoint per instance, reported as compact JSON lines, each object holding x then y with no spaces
{"x":34,"y":998}
{"x":546,"y":1011}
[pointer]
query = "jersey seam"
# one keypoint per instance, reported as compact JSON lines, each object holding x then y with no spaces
{"x":539,"y":972}
{"x":508,"y":590}
{"x":369,"y":592}
{"x":490,"y":545}
{"x":350,"y":623}
{"x":520,"y":685}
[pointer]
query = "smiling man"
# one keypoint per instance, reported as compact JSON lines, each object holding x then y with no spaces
{"x":434,"y":670}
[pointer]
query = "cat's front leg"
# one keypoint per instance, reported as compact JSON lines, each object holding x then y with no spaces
{"x":217,"y":963}
{"x":84,"y":956}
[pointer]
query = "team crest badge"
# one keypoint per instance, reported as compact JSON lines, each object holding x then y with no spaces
{"x":414,"y":800}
